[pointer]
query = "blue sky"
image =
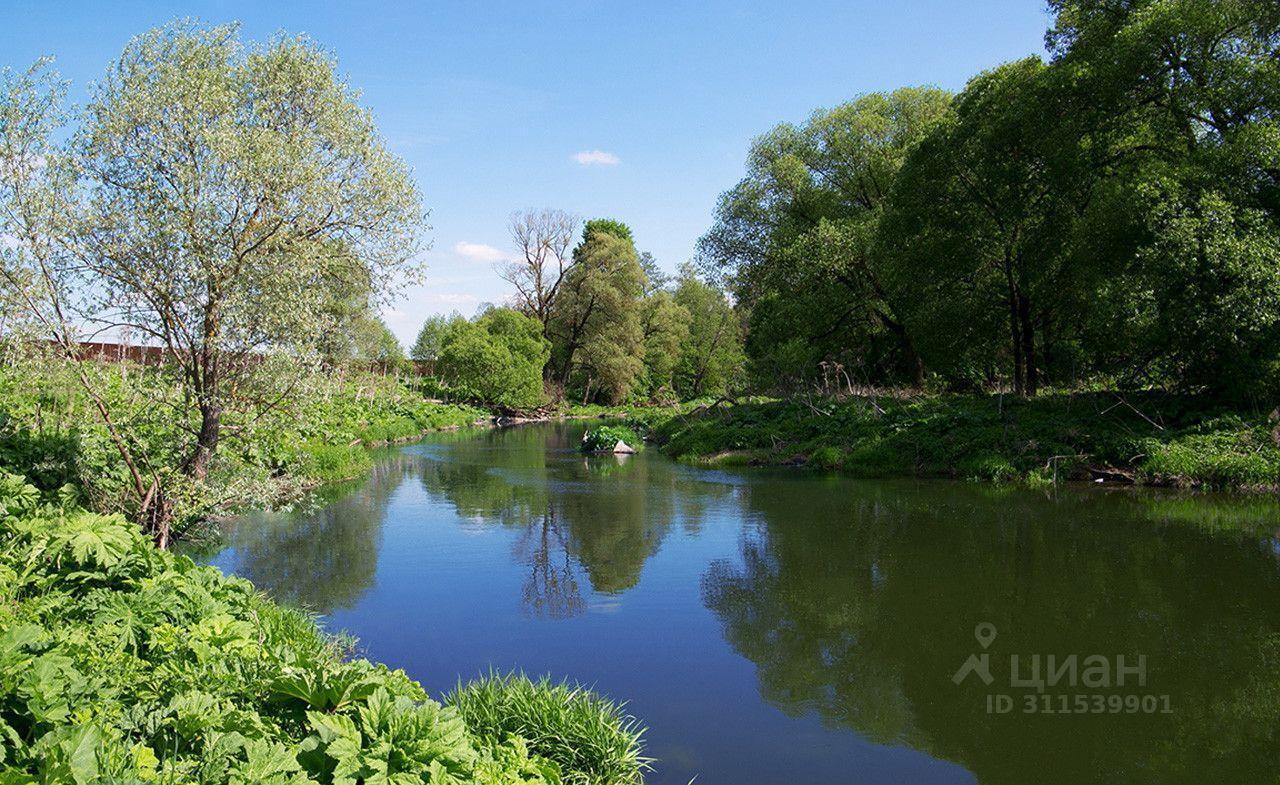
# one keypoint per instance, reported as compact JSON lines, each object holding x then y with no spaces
{"x":491,"y":103}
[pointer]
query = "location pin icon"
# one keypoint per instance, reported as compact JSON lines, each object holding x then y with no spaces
{"x":985,"y":633}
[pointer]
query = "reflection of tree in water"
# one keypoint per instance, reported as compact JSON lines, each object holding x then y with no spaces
{"x":551,"y":589}
{"x":858,"y":605}
{"x":606,"y":515}
{"x":326,"y":558}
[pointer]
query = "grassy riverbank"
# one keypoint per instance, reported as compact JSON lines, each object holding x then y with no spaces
{"x":1147,"y":438}
{"x":317,"y":431}
{"x":123,"y":663}
{"x":120,"y":662}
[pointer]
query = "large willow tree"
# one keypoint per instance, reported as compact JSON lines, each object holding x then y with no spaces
{"x":229,"y":191}
{"x":213,"y":197}
{"x":797,"y":236}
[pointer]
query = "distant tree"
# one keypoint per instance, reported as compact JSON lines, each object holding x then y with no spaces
{"x":496,"y":359}
{"x":426,"y":348}
{"x":596,"y":331}
{"x":655,"y":279}
{"x":665,"y":325}
{"x":608,"y":226}
{"x":710,"y":359}
{"x":376,"y":343}
{"x":544,"y":238}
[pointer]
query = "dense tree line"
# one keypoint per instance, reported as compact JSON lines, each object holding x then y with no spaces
{"x":598,"y":322}
{"x":1108,"y":215}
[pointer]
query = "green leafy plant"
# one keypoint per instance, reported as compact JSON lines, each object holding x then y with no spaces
{"x":123,"y":663}
{"x":605,"y":437}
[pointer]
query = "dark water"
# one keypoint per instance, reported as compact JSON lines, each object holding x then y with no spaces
{"x":786,"y":627}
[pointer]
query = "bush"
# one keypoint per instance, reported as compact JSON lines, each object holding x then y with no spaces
{"x":122,"y":663}
{"x":827,"y":458}
{"x":591,"y":738}
{"x":604,"y":438}
{"x":497,"y":359}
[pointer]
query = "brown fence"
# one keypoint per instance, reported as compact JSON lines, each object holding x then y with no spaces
{"x":155,"y":355}
{"x":120,"y":352}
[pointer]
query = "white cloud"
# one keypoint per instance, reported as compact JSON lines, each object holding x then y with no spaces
{"x":596,"y":158}
{"x":452,"y":298}
{"x":478,"y":251}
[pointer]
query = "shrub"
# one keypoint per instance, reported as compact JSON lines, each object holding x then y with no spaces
{"x":592,"y":739}
{"x":604,"y":438}
{"x":827,"y":458}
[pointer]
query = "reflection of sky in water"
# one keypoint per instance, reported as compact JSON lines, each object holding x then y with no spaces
{"x":775,"y":626}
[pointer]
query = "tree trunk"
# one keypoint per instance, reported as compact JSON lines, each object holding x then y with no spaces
{"x":1031,"y":382}
{"x":1015,"y":344}
{"x":206,"y":441}
{"x":911,"y":357}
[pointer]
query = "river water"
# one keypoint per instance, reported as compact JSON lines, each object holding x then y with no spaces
{"x":781,"y":626}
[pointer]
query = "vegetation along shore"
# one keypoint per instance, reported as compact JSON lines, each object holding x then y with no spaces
{"x":1067,"y":270}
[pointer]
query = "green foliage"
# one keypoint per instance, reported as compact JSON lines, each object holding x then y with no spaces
{"x":594,"y":741}
{"x":610,"y":227}
{"x":799,"y":232}
{"x":1151,"y":439}
{"x":302,"y":217}
{"x":122,"y":663}
{"x":595,"y":328}
{"x":1111,"y":213}
{"x":430,"y":339}
{"x":711,"y":355}
{"x":604,"y":438}
{"x":50,"y":432}
{"x":496,"y":360}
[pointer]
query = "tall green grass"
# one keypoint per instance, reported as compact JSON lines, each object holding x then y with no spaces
{"x":594,"y":740}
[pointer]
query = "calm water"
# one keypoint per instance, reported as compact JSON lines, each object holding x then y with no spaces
{"x":785,"y":627}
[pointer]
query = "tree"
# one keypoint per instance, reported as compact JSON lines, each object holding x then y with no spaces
{"x":496,"y":359}
{"x":427,"y":346}
{"x":544,"y":238}
{"x":799,"y":230}
{"x":376,"y":343}
{"x":665,"y":325}
{"x":1187,"y":94}
{"x":222,"y":183}
{"x":710,"y":357}
{"x":982,"y":218}
{"x":597,"y":337}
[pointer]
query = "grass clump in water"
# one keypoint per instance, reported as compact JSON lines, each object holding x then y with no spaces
{"x":604,"y":438}
{"x":591,"y":738}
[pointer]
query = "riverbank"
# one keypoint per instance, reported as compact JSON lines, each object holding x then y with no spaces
{"x":319,"y":430}
{"x":1144,"y":439}
{"x":120,"y":662}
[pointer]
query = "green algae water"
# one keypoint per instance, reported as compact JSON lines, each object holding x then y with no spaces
{"x":781,"y":626}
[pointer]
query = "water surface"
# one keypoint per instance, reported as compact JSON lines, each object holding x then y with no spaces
{"x":779,"y":626}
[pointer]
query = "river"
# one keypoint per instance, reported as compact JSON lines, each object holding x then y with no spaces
{"x":779,"y":626}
